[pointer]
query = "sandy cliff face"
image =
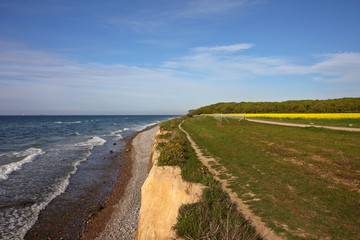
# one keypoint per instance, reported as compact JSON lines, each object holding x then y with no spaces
{"x":162,"y":194}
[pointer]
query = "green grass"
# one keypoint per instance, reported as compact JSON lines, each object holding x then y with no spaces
{"x":164,"y":136}
{"x":171,"y":125}
{"x":214,"y":217}
{"x":178,"y":152}
{"x":305,"y":180}
{"x":345,"y":122}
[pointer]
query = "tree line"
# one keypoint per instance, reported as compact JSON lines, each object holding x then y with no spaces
{"x":341,"y":105}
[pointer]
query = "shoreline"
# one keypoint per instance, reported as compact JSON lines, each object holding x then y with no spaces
{"x":113,"y":222}
{"x":87,"y":215}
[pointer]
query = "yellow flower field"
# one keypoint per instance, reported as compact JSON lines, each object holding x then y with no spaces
{"x":294,"y":115}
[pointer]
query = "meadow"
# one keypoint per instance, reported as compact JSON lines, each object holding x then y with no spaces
{"x":214,"y":216}
{"x":325,"y":119}
{"x":303,"y":182}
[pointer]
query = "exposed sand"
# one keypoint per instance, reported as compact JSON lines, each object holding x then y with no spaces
{"x":123,"y":221}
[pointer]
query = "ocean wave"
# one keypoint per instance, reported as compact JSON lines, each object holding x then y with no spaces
{"x":116,"y":132}
{"x":92,"y":142}
{"x":73,"y":134}
{"x":142,"y":127}
{"x":59,"y":122}
{"x":30,"y":213}
{"x":27,"y":156}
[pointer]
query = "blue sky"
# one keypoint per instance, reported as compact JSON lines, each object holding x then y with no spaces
{"x":169,"y":56}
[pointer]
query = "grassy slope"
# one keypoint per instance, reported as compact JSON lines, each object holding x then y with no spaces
{"x":302,"y":182}
{"x":214,"y":216}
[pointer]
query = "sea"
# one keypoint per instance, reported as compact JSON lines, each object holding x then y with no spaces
{"x":39,"y":156}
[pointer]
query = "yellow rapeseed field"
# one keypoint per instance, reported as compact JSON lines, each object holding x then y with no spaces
{"x":293,"y":115}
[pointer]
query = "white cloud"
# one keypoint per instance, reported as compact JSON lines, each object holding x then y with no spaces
{"x":35,"y":79}
{"x":154,"y":17}
{"x":226,"y":48}
{"x":339,"y":67}
{"x":231,"y":64}
{"x":38,"y":80}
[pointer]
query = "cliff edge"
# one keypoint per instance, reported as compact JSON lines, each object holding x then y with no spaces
{"x":162,"y":194}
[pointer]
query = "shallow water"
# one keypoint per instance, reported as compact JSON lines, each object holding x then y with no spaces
{"x":39,"y":155}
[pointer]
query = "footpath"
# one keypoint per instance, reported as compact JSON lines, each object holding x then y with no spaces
{"x":304,"y":125}
{"x":256,"y":222}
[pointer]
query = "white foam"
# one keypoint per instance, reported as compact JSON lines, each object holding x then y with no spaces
{"x":59,"y":122}
{"x":142,"y":127}
{"x":97,"y":141}
{"x":74,"y":134}
{"x":118,"y":136}
{"x":92,"y":142}
{"x":74,"y":122}
{"x":28,"y":156}
{"x":116,"y":132}
{"x":29,"y":219}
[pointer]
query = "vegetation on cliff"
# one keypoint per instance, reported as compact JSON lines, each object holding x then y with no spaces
{"x":214,"y":216}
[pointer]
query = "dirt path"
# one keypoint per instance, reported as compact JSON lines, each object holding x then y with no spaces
{"x":256,"y":221}
{"x":305,"y":125}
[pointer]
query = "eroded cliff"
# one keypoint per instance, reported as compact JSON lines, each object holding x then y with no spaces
{"x":162,"y":194}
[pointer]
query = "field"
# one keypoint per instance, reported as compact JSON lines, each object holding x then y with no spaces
{"x":326,"y":119}
{"x":303,"y":182}
{"x":214,"y":216}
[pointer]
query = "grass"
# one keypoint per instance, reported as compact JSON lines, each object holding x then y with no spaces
{"x":342,"y":122}
{"x":178,"y":152}
{"x":303,"y":182}
{"x":214,"y":217}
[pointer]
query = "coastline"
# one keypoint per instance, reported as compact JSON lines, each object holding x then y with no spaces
{"x":85,"y":218}
{"x":119,"y":218}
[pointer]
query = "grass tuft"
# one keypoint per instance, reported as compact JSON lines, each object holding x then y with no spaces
{"x":213,"y":217}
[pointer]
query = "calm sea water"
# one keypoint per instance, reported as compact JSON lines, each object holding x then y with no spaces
{"x":39,"y":155}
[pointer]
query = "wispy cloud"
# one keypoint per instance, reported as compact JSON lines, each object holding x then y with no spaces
{"x":338,"y":67}
{"x":206,"y":8}
{"x":232,"y":64}
{"x":151,"y":17}
{"x":35,"y":79}
{"x":226,"y":49}
{"x":31,"y":79}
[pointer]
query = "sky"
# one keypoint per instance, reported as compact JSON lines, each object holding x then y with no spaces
{"x":170,"y":56}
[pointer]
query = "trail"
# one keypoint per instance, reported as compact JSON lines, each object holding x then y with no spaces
{"x":304,"y":125}
{"x":256,"y":222}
